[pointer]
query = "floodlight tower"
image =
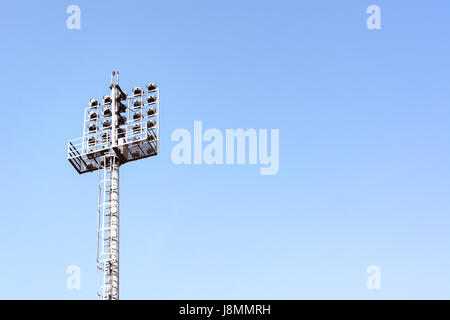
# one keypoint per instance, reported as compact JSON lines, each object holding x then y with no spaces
{"x":120,"y":129}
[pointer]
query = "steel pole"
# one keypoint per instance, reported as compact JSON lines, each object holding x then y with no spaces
{"x":114,"y":241}
{"x":108,"y":232}
{"x":114,"y":197}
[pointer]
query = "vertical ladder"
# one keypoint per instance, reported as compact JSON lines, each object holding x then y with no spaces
{"x":108,"y":229}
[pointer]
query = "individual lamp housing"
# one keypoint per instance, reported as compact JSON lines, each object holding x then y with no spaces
{"x":92,"y":127}
{"x":151,"y":99}
{"x":105,"y":136}
{"x":137,"y":103}
{"x":151,"y":124}
{"x":107,"y":112}
{"x":121,"y":133}
{"x":151,"y":87}
{"x":93,"y":115}
{"x":135,"y":153}
{"x":122,"y":120}
{"x":136,"y":128}
{"x":92,"y":141}
{"x":107,"y":100}
{"x":122,"y":107}
{"x":123,"y":96}
{"x":93,"y":102}
{"x":137,"y":91}
{"x":137,"y":116}
{"x":106,"y":124}
{"x":151,"y":111}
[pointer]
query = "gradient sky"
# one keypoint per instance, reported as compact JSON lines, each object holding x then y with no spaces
{"x":364,"y":149}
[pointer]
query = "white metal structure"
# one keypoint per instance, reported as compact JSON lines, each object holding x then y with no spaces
{"x":108,"y":229}
{"x":120,"y":129}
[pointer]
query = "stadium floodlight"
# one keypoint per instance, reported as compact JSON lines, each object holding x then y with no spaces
{"x":92,"y":115}
{"x":122,"y":120}
{"x":110,"y":140}
{"x":93,"y":102}
{"x":122,"y":96}
{"x":106,"y":124}
{"x":137,"y":116}
{"x":107,"y":100}
{"x":136,"y":128}
{"x":91,"y":141}
{"x":151,"y":99}
{"x":122,"y":107}
{"x":107,"y":112}
{"x":136,"y":153}
{"x":151,"y":87}
{"x":105,"y":136}
{"x":137,"y":91}
{"x":92,"y":127}
{"x":120,"y":133}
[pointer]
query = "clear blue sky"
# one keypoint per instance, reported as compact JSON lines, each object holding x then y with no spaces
{"x":364,"y":148}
